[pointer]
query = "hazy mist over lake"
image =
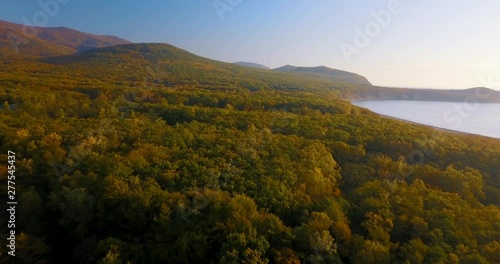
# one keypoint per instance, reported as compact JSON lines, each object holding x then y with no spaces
{"x":475,"y":118}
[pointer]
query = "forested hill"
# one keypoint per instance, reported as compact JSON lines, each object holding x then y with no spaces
{"x":21,"y":41}
{"x":479,"y":94}
{"x":27,"y":41}
{"x":165,"y":64}
{"x":323,"y":72}
{"x":145,"y":153}
{"x":252,"y":65}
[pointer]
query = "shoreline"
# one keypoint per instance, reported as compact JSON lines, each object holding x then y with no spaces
{"x":446,"y":130}
{"x":413,"y":100}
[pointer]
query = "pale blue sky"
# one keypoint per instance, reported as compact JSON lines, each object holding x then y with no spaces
{"x":443,"y":44}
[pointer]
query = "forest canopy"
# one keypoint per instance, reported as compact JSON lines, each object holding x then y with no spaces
{"x":144,"y":153}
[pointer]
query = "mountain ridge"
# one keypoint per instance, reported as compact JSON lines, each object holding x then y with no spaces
{"x":469,"y":95}
{"x":324,"y":72}
{"x":251,"y":65}
{"x":25,"y":41}
{"x":62,"y":45}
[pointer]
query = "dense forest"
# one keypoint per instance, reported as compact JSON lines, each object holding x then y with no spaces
{"x":144,"y":153}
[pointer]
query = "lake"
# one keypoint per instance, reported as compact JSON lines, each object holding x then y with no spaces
{"x":469,"y":117}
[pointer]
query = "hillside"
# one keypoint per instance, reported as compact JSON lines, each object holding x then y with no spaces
{"x":56,"y":42}
{"x":165,"y":64}
{"x":252,"y":65}
{"x":481,"y":94}
{"x":45,"y":42}
{"x":146,"y":153}
{"x":325,"y":73}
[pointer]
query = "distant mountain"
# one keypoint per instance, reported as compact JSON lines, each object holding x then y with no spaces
{"x":252,"y":65}
{"x":472,"y":95}
{"x":168,"y":65}
{"x":21,"y":41}
{"x":151,"y":52}
{"x":162,"y":64}
{"x":479,"y":94}
{"x":323,"y":72}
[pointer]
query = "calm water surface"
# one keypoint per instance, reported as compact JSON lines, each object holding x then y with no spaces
{"x":475,"y":118}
